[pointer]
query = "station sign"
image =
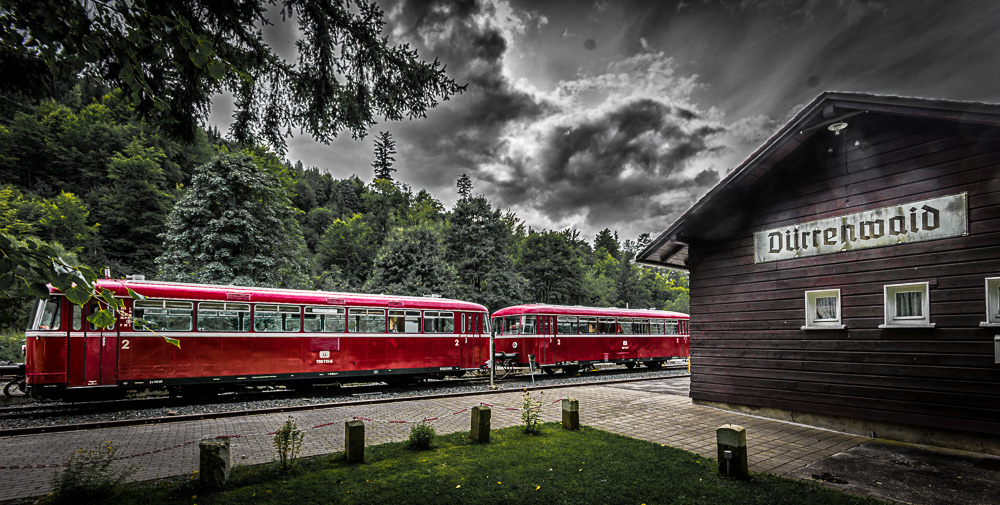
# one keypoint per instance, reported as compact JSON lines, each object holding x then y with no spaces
{"x":936,"y":218}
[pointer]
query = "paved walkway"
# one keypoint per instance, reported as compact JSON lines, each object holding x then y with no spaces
{"x":661,"y":413}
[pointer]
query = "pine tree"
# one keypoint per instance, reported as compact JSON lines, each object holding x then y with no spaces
{"x":385,"y":147}
{"x":234,"y":226}
{"x":464,"y":186}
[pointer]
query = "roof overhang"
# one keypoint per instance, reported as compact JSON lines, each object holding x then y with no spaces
{"x":669,"y":249}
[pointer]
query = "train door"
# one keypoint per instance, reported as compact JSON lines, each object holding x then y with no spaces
{"x":471,"y":327}
{"x":546,"y":336}
{"x":100,"y":354}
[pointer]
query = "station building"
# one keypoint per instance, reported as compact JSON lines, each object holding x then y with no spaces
{"x":847,"y":274}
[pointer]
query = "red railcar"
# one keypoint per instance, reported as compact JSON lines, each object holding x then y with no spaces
{"x":231,"y":337}
{"x":568,"y":337}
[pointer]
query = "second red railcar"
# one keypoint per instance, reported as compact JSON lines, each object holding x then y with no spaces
{"x":564,"y":337}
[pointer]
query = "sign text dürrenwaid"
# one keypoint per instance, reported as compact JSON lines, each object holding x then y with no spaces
{"x":946,"y":216}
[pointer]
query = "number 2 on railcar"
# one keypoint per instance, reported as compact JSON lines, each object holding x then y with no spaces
{"x":563,"y":337}
{"x":236,"y":337}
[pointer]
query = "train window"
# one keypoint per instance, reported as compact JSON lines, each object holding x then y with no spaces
{"x":656,"y":327}
{"x":223,"y":316}
{"x":77,"y":318}
{"x":162,"y":315}
{"x":325,"y":319}
{"x":566,"y":325}
{"x":486,"y":323}
{"x":511,"y":325}
{"x":640,"y":326}
{"x":404,"y":321}
{"x":439,"y":322}
{"x":93,"y":309}
{"x":47,"y":314}
{"x":588,"y":325}
{"x":625,"y":326}
{"x":366,"y":320}
{"x":671,"y":327}
{"x":528,"y":325}
{"x":276,"y":318}
{"x":608,"y":326}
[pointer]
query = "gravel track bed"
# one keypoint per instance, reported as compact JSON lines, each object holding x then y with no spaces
{"x":344,"y":394}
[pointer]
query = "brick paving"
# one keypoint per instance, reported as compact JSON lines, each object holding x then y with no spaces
{"x":659,"y":415}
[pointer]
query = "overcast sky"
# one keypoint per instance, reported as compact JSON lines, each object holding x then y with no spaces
{"x":621,"y":114}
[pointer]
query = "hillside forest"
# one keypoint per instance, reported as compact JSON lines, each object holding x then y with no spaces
{"x":109,"y":188}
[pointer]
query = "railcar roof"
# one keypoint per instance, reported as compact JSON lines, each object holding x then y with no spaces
{"x":576,"y":310}
{"x":180,"y":290}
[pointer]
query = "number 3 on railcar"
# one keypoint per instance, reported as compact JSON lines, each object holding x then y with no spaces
{"x":234,"y":338}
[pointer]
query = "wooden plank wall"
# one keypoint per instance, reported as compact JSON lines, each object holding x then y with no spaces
{"x":747,"y":346}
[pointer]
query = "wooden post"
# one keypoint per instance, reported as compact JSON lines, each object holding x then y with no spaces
{"x":481,"y":424}
{"x":571,"y":414}
{"x":354,"y":441}
{"x":732,"y":441}
{"x":213,"y":464}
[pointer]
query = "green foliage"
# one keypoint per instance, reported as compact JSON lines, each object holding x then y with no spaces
{"x":479,"y":245}
{"x":421,"y":436}
{"x":531,"y":416}
{"x":233,"y":225}
{"x":346,"y":247}
{"x":411,"y":262}
{"x":552,"y":267}
{"x":172,"y":58}
{"x":91,"y":477}
{"x":11,"y":342}
{"x":288,"y":443}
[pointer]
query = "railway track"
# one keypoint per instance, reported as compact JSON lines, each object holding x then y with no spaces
{"x":58,"y":416}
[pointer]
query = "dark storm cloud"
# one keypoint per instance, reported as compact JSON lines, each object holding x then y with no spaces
{"x":465,"y":131}
{"x":613,"y":167}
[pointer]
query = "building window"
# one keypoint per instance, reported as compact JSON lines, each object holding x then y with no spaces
{"x":992,"y":302}
{"x":907,"y":305}
{"x":823,"y":310}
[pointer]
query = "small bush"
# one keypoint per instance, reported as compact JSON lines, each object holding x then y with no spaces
{"x":91,"y":477}
{"x":288,"y":443}
{"x":11,"y":343}
{"x":530,"y":412}
{"x":421,"y":436}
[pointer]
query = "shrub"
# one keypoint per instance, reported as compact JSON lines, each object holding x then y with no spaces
{"x":421,"y":436}
{"x":11,"y":343}
{"x":530,"y":413}
{"x":91,"y":477}
{"x":288,"y":443}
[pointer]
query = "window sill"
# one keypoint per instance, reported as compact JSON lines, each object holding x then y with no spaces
{"x":915,"y":325}
{"x":825,"y":327}
{"x":985,"y":324}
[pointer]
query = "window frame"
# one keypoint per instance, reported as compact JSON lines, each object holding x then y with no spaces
{"x":369,"y":314}
{"x":164,"y":304}
{"x":992,"y":303}
{"x":429,"y":318}
{"x":889,"y":296}
{"x":324,"y":314}
{"x":813,"y":322}
{"x":406,"y":316}
{"x":279,"y":311}
{"x":220,"y":306}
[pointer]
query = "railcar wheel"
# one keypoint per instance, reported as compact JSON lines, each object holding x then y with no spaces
{"x":14,"y":388}
{"x":549,"y":370}
{"x":571,"y":369}
{"x":654,"y":365}
{"x":630,"y":365}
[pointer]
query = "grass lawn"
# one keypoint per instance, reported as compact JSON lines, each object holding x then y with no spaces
{"x":587,"y":467}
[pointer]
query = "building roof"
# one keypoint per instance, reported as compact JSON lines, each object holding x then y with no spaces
{"x":669,"y":248}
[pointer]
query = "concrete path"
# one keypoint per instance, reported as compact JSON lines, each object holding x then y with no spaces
{"x":658,"y":411}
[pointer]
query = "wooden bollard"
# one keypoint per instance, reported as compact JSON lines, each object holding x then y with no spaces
{"x":213,"y":463}
{"x":354,"y":441}
{"x":481,"y":424}
{"x":570,"y":414}
{"x":732,"y":441}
